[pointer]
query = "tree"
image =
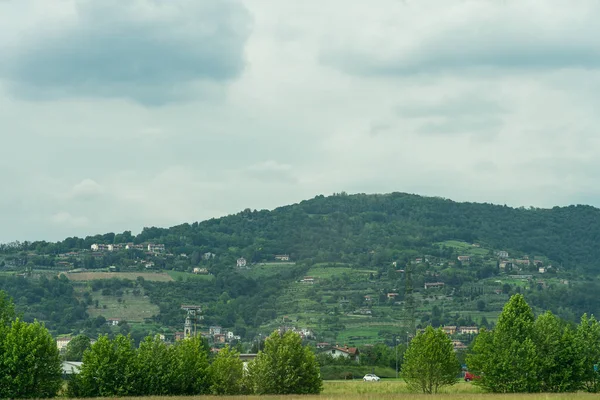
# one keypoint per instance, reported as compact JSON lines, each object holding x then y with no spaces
{"x":588,"y":338}
{"x":155,"y":361}
{"x":559,"y":357}
{"x":77,"y":347}
{"x":227,"y":373}
{"x":506,"y":358}
{"x":430,"y":362}
{"x":285,"y":367}
{"x":29,"y":361}
{"x":7,"y":309}
{"x":108,"y":369}
{"x":190,"y":370}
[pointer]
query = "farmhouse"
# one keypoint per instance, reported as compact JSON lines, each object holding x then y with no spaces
{"x":464,"y":258}
{"x":241,"y":262}
{"x":282,"y":257}
{"x":469,"y":330}
{"x":113,"y":321}
{"x":62,"y":342}
{"x":346,"y":352}
{"x":434,"y":285}
{"x":449,"y":330}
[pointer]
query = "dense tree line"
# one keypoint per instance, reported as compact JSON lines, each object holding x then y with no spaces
{"x":116,"y":368}
{"x":30,"y":365}
{"x":543,"y":354}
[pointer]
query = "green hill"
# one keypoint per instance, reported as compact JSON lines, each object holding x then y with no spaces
{"x":353,"y":246}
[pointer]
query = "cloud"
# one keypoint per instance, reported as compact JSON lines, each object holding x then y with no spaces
{"x":86,"y":189}
{"x":150,"y":51}
{"x":64,"y":218}
{"x":395,"y":38}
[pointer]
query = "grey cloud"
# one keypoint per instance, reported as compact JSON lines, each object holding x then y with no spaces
{"x":473,"y":36}
{"x":150,"y":51}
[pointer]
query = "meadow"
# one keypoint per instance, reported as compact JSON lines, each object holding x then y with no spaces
{"x":90,"y":276}
{"x":393,"y":389}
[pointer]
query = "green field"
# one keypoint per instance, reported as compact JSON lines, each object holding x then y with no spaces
{"x":131,"y":308}
{"x":328,"y":272}
{"x":186,"y":276}
{"x":267,"y":269}
{"x":467,"y":248}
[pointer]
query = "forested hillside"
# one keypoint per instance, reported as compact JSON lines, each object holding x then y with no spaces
{"x":333,"y":265}
{"x":348,"y":227}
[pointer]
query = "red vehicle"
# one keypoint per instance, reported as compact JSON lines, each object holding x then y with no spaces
{"x":469,"y":376}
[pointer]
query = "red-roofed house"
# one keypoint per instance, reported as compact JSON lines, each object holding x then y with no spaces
{"x":347,"y":352}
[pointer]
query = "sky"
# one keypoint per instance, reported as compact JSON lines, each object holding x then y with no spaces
{"x":115,"y":115}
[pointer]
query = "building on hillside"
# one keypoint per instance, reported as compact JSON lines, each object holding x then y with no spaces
{"x":219,"y":338}
{"x":99,"y":247}
{"x":464,"y":258}
{"x":458,"y":345}
{"x":114,"y":247}
{"x":347,"y":352}
{"x":113,"y":321}
{"x":156,"y":248}
{"x":542,"y":270}
{"x":201,"y":271}
{"x":469,"y":330}
{"x":392,"y":295}
{"x":434,"y":285}
{"x":449,"y":330}
{"x":522,"y":261}
{"x":246,"y":358}
{"x":131,"y":246}
{"x":179,"y":336}
{"x":62,"y":342}
{"x":308,"y":279}
{"x":323,"y":345}
{"x":282,"y":257}
{"x":502,"y":254}
{"x":71,"y":368}
{"x":209,"y":255}
{"x":241,"y":262}
{"x":214,"y":330}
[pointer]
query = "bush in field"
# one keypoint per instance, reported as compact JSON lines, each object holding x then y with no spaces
{"x":190,"y":367}
{"x":285,"y":367}
{"x":227,"y":373}
{"x":430,"y":362}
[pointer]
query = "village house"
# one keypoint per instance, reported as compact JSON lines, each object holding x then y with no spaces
{"x":392,"y":295}
{"x":214,"y":330}
{"x":131,"y":246}
{"x":346,"y":352}
{"x":469,"y":330}
{"x":241,"y":262}
{"x":434,"y":285}
{"x":458,"y":345}
{"x":522,"y":261}
{"x":208,"y":256}
{"x":113,"y":321}
{"x":323,"y":345}
{"x":115,"y":247}
{"x":542,"y":270}
{"x":62,"y":342}
{"x":449,"y":330}
{"x":156,"y":248}
{"x":149,"y":265}
{"x":179,"y":336}
{"x":99,"y":247}
{"x":282,"y":257}
{"x":308,"y":279}
{"x":368,"y":298}
{"x":502,"y":254}
{"x":219,"y":338}
{"x":200,"y":271}
{"x":464,"y":258}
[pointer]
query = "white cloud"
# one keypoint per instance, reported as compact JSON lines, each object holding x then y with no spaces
{"x":438,"y":98}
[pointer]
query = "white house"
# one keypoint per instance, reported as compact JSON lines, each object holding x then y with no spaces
{"x":209,"y":255}
{"x":214,"y":330}
{"x":241,"y":262}
{"x":62,"y":342}
{"x":346,"y":352}
{"x":282,"y":257}
{"x":113,"y":321}
{"x":99,"y":247}
{"x":156,"y":248}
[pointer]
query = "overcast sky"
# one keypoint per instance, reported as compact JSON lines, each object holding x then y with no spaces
{"x":120,"y":114}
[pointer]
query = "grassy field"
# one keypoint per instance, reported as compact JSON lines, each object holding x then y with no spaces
{"x":328,"y":272}
{"x":90,"y":276}
{"x":393,"y":389}
{"x":130,"y":308}
{"x":186,"y":276}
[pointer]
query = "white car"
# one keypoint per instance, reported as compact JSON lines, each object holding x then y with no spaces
{"x":371,"y":378}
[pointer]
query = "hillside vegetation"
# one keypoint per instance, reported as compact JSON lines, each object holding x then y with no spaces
{"x":354,"y":249}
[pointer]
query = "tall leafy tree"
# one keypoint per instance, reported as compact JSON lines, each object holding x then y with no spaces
{"x":7,"y":309}
{"x":285,"y":367}
{"x":155,"y":362}
{"x":559,"y":356}
{"x":588,"y":337}
{"x":506,"y":358}
{"x":190,"y":370}
{"x":76,"y":347}
{"x":109,"y":369}
{"x":430,"y":362}
{"x":227,"y":373}
{"x":30,"y":364}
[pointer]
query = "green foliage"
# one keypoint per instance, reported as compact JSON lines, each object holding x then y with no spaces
{"x":190,"y":369}
{"x":109,"y":369}
{"x":7,"y":309}
{"x":430,"y":362}
{"x":155,"y":361}
{"x":30,"y":365}
{"x":588,"y":337}
{"x":506,"y":359}
{"x":285,"y":367}
{"x":560,"y":365}
{"x":76,"y":347}
{"x":227,"y":373}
